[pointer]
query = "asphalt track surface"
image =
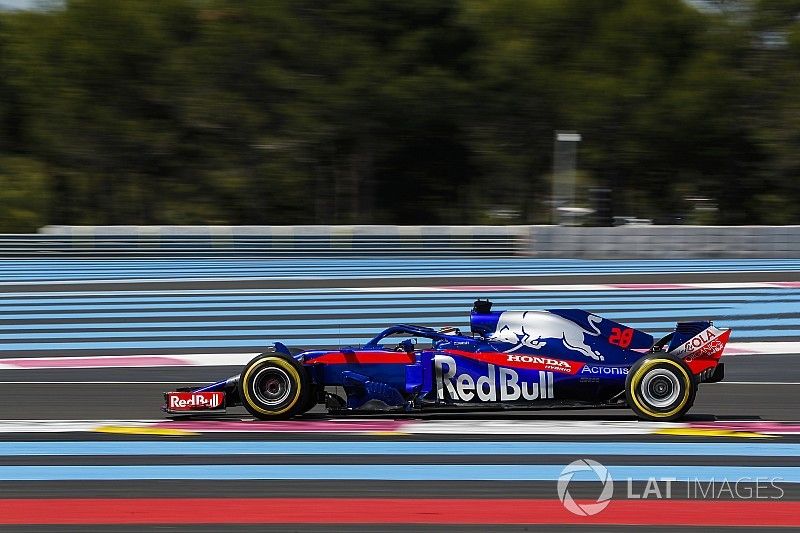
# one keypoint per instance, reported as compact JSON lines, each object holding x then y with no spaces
{"x":468,"y":491}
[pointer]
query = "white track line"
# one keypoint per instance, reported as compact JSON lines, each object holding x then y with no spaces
{"x":423,"y":427}
{"x":757,"y":383}
{"x":452,"y":288}
{"x":761,"y":348}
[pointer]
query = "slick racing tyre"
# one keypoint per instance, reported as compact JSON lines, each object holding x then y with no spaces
{"x":311,"y":401}
{"x":660,"y":388}
{"x":274,"y":386}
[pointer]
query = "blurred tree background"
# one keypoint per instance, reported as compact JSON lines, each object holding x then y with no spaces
{"x":378,"y":111}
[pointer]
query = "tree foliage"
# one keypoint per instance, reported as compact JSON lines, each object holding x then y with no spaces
{"x":377,"y":111}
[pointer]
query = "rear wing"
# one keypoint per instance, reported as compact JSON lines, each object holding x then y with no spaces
{"x":699,"y":343}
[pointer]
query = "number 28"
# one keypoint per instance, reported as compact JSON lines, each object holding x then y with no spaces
{"x":621,"y":337}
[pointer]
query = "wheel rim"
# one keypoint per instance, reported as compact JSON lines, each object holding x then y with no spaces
{"x":660,"y":388}
{"x":272,"y":386}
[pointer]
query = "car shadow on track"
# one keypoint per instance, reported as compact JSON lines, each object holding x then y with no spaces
{"x":573,"y":415}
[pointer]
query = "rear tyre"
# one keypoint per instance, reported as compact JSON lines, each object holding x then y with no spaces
{"x":660,"y":388}
{"x":274,"y":386}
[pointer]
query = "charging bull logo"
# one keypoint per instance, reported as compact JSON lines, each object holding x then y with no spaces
{"x":532,"y":329}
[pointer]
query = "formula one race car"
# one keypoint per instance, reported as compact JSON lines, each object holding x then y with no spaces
{"x":558,"y":358}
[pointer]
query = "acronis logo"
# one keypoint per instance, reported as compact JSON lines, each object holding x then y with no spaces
{"x":605,"y":370}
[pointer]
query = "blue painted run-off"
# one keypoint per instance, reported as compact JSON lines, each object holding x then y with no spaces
{"x":339,"y":268}
{"x":653,"y":449}
{"x":62,"y":322}
{"x":393,"y":472}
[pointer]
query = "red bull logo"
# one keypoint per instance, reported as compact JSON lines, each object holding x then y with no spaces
{"x":194,"y":401}
{"x":499,"y":384}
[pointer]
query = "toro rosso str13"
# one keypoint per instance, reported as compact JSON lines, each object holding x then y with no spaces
{"x":557,"y":358}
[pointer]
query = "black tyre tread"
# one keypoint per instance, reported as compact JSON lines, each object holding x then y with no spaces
{"x":310,"y":402}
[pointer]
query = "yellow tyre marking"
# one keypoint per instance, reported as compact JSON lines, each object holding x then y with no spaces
{"x":710,"y":432}
{"x":638,"y":378}
{"x":144,"y":430}
{"x":278,"y":362}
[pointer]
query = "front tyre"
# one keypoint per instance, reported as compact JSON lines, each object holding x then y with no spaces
{"x":274,"y":386}
{"x":660,"y":388}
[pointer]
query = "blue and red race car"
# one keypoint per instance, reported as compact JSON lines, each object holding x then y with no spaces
{"x":558,"y":358}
